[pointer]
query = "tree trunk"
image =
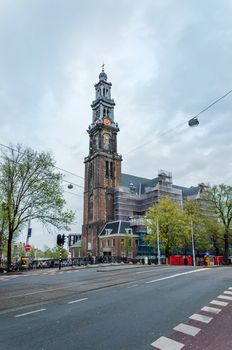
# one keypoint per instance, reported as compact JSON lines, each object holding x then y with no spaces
{"x":226,"y":248}
{"x":9,"y":251}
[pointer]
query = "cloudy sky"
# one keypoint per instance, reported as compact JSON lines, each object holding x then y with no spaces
{"x":167,"y":60}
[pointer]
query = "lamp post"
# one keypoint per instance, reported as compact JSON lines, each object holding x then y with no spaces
{"x":158,"y":241}
{"x":29,"y":229}
{"x":193,"y":248}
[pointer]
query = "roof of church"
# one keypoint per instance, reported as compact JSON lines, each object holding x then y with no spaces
{"x":188,"y":191}
{"x":115,"y":227}
{"x":127,"y":179}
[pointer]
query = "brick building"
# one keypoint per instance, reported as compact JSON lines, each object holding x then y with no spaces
{"x":115,"y":203}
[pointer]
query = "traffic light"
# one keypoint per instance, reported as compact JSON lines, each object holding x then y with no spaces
{"x":59,"y":239}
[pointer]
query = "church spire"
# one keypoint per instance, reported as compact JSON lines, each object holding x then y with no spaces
{"x":103,"y":75}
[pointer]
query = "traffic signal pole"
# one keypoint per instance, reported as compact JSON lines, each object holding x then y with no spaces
{"x":60,"y":242}
{"x":60,"y":258}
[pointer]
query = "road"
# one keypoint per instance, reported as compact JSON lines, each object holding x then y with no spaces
{"x":114,"y":308}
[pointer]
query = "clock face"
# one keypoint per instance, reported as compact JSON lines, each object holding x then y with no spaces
{"x":107,"y":121}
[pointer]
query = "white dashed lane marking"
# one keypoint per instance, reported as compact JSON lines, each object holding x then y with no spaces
{"x":214,"y":310}
{"x":176,"y":275}
{"x":225,"y":297}
{"x":227,"y":292}
{"x":31,"y":312}
{"x":164,"y":343}
{"x":186,"y":329}
{"x":218,"y":302}
{"x":201,"y":318}
{"x":77,"y":301}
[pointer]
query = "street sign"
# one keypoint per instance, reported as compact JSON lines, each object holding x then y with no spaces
{"x":24,"y":262}
{"x":29,"y":232}
{"x":27,"y":247}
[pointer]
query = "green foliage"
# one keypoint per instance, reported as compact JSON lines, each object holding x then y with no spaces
{"x":31,"y":188}
{"x":54,"y":253}
{"x":174,"y":226}
{"x":167,"y":216}
{"x":219,"y":200}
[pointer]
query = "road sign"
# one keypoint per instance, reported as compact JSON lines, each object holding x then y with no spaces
{"x":27,"y":247}
{"x":24,"y":262}
{"x":29,"y":232}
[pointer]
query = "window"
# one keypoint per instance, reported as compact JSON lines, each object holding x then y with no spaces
{"x":111,"y":170}
{"x":129,"y":231}
{"x":113,"y":242}
{"x":107,"y":168}
{"x":122,"y":242}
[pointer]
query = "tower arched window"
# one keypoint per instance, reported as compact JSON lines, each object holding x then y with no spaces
{"x":111,"y":169}
{"x":107,"y":168}
{"x":104,"y":112}
{"x":104,"y":91}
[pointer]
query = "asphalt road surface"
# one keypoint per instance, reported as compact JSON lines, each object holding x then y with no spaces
{"x":117,"y":308}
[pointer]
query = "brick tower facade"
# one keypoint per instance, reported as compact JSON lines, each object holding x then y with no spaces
{"x":102,"y":166}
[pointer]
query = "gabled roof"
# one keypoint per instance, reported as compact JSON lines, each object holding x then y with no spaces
{"x":127,"y":179}
{"x":188,"y":191}
{"x":114,"y":227}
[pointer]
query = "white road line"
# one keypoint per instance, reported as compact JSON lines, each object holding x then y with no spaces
{"x":164,"y":343}
{"x":154,"y":270}
{"x":227,"y":292}
{"x":214,"y":310}
{"x":177,"y":275}
{"x":77,"y":301}
{"x":31,"y":312}
{"x":225,"y":297}
{"x":186,"y":329}
{"x":201,"y":318}
{"x":220,"y":303}
{"x":134,"y":285}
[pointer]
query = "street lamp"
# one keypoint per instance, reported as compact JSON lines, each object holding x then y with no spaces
{"x":193,"y":248}
{"x":158,"y":241}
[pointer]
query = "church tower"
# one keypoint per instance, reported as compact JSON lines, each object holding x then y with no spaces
{"x":102,"y":166}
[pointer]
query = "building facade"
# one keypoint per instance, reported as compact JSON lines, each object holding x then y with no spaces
{"x":115,"y":203}
{"x":102,"y":166}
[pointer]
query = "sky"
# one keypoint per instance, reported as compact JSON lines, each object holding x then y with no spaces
{"x":166,"y":59}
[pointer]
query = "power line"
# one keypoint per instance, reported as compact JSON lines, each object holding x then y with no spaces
{"x":69,"y":172}
{"x":74,"y":194}
{"x":180,"y":124}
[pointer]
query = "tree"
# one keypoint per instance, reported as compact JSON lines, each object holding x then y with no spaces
{"x":54,"y":253}
{"x":2,"y":229}
{"x":194,"y":227}
{"x":167,"y":215}
{"x":220,"y":203}
{"x":30,"y":188}
{"x":128,"y":244}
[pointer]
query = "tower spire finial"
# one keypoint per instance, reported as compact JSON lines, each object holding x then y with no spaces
{"x":103,"y":67}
